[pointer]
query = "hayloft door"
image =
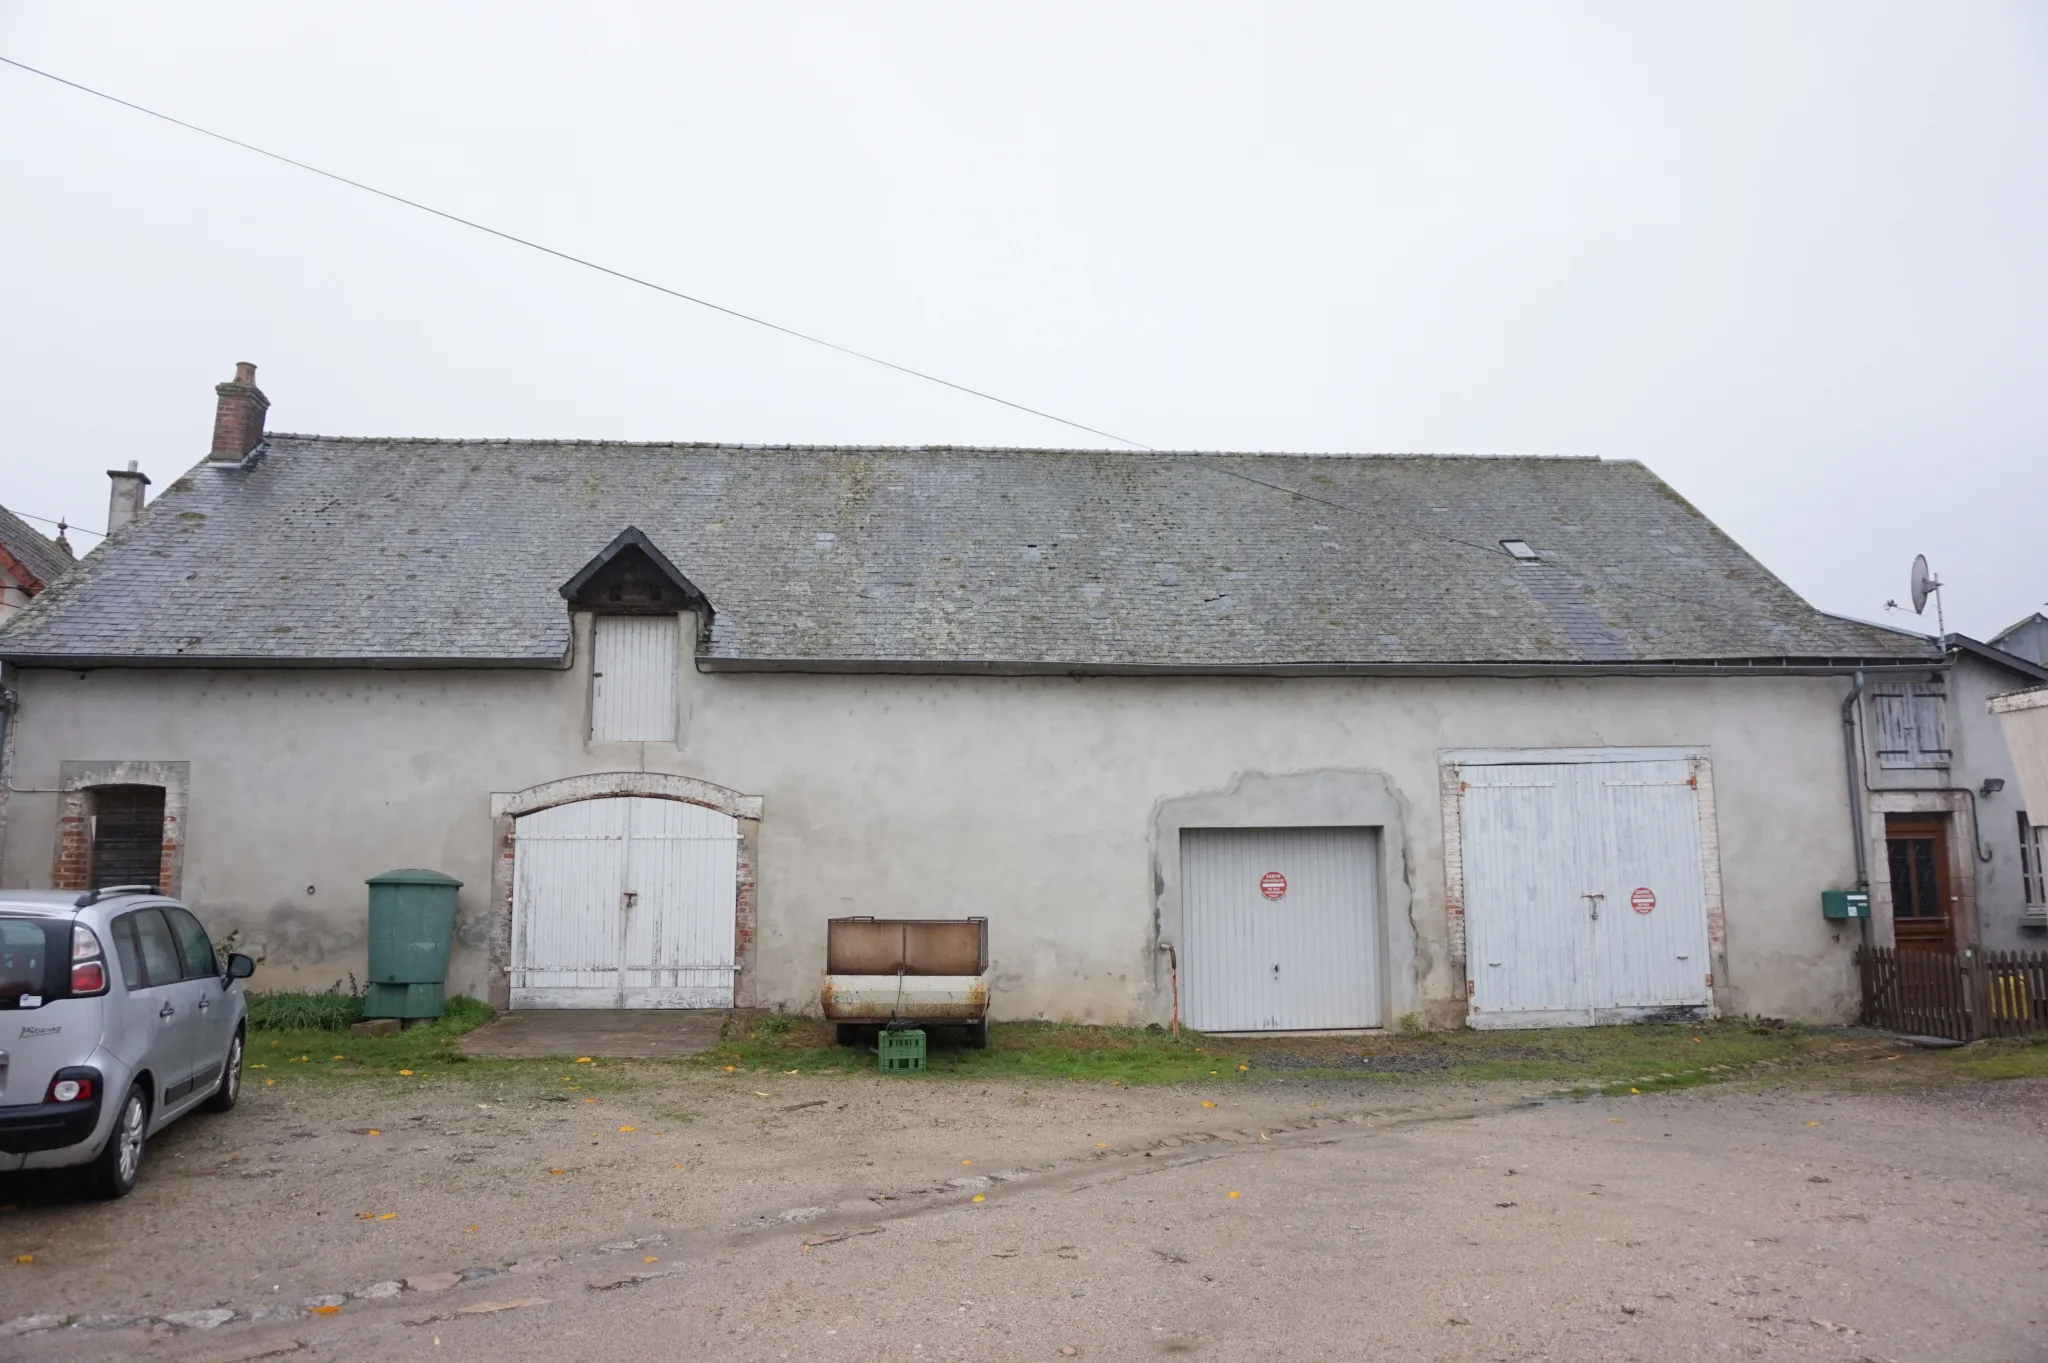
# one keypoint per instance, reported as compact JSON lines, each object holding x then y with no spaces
{"x":624,"y":902}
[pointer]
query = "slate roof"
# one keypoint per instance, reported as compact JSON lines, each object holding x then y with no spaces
{"x":28,"y":547}
{"x":428,"y":552}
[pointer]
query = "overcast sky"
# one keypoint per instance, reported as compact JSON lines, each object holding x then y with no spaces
{"x":1789,"y":255}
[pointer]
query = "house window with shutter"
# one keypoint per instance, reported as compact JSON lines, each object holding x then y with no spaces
{"x":634,"y":663}
{"x":1908,"y":725}
{"x":2033,"y":874}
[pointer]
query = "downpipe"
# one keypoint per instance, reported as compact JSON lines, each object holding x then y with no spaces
{"x":1851,"y":756}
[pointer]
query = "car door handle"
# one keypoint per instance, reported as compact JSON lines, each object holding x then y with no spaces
{"x":205,"y":1004}
{"x":165,"y":1011}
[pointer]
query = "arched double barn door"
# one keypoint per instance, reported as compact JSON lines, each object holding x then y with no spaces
{"x":624,"y":902}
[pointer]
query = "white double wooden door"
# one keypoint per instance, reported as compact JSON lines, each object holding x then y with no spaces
{"x":1585,"y":892}
{"x":624,"y":902}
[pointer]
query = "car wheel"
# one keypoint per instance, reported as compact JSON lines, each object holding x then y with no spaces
{"x":113,"y":1172}
{"x":230,"y":1088}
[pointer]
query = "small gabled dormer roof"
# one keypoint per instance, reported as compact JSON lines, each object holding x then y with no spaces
{"x":630,"y":575}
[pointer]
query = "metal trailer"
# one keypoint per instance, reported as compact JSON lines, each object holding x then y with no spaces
{"x":880,"y":971}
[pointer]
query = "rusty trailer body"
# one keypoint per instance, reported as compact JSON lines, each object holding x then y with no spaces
{"x":895,"y":970}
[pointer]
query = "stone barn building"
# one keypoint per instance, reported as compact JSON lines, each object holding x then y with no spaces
{"x":1303,"y":741}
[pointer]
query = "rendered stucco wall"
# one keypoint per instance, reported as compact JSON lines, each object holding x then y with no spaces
{"x":1980,"y":754}
{"x":1035,"y":801}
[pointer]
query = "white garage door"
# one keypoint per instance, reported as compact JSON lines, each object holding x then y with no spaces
{"x":1280,"y":928}
{"x":1585,"y":898}
{"x":624,"y":902}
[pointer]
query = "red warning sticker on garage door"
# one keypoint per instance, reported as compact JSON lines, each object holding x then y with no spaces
{"x":1642,"y":901}
{"x":1272,"y":885}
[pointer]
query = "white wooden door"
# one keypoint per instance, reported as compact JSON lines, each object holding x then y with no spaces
{"x":1585,"y":893}
{"x":633,"y":679}
{"x":1526,"y":946}
{"x":1280,"y":929}
{"x":624,"y":902}
{"x":1649,"y":944}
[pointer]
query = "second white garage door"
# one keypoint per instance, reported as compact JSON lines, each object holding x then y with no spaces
{"x":1280,"y":928}
{"x":1585,"y":892}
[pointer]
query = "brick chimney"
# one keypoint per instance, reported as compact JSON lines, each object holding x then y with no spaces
{"x":238,"y":421}
{"x":124,"y":503}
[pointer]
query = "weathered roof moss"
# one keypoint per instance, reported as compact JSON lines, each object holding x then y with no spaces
{"x":397,"y":551}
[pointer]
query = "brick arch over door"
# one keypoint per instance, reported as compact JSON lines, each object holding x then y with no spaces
{"x":506,"y":810}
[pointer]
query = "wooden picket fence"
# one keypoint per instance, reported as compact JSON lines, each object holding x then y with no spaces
{"x":1933,"y":993}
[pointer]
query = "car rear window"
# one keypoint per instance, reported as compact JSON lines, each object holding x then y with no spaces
{"x":33,"y":954}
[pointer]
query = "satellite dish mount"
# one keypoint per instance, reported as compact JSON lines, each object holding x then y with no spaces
{"x":1925,"y":585}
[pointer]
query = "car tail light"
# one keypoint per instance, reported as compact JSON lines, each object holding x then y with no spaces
{"x":88,"y":962}
{"x":69,"y":1090}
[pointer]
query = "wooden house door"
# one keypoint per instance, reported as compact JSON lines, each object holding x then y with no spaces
{"x":1923,"y":907}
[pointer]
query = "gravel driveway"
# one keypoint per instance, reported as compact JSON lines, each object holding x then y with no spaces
{"x":742,"y":1217}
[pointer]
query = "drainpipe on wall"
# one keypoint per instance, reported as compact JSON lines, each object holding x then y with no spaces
{"x":1851,"y":746}
{"x":6,"y":714}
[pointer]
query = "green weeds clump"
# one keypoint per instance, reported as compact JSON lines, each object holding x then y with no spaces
{"x":331,"y":1010}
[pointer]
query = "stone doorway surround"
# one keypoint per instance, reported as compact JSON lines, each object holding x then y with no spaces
{"x":1962,"y":859}
{"x":508,"y":807}
{"x":73,"y":866}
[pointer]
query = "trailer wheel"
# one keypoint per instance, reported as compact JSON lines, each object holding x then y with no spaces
{"x":847,"y":1033}
{"x":977,"y":1035}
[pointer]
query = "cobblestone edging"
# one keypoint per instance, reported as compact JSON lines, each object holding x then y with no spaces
{"x":213,"y":1317}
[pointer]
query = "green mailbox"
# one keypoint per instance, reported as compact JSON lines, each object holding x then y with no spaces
{"x":1844,"y":904}
{"x":412,"y":918}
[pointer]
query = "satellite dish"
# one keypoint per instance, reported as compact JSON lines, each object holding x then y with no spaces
{"x":1925,"y":584}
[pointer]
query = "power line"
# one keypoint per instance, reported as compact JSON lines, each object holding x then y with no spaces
{"x":688,"y":298}
{"x":60,"y":524}
{"x":715,"y":307}
{"x":574,"y":259}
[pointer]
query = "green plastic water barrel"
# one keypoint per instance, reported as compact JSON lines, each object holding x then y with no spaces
{"x":412,"y":922}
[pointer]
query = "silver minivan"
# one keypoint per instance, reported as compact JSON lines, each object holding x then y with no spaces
{"x":117,"y":1017}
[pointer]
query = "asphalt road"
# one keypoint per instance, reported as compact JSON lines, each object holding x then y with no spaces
{"x":1290,"y":1220}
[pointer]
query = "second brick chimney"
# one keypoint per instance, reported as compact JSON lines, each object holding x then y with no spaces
{"x":238,"y":420}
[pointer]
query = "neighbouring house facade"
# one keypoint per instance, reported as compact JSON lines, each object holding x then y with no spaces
{"x":29,"y":562}
{"x":1284,"y":742}
{"x":2022,"y":717}
{"x":2027,"y":639}
{"x":1952,"y":850}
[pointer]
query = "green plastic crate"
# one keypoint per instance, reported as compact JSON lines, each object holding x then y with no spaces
{"x":900,"y":1052}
